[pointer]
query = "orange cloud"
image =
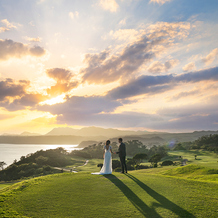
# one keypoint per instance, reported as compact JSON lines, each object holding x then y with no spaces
{"x":37,"y":39}
{"x":210,"y":57}
{"x":63,"y":80}
{"x":189,"y":67}
{"x":11,"y":88}
{"x":7,"y":26}
{"x":157,"y":67}
{"x":109,"y":5}
{"x":106,"y":67}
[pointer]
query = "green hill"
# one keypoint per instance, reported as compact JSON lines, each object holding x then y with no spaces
{"x":163,"y":192}
{"x":204,"y":158}
{"x":138,"y":194}
{"x":193,"y":171}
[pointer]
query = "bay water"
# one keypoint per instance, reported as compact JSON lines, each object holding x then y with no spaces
{"x":10,"y":152}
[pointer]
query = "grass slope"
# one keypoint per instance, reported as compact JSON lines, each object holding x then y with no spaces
{"x":5,"y":185}
{"x":138,"y":194}
{"x":195,"y":172}
{"x":204,"y":158}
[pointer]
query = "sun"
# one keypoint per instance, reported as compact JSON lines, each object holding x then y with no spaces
{"x":56,"y":100}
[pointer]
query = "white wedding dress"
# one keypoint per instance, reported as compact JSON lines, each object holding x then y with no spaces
{"x":107,"y":166}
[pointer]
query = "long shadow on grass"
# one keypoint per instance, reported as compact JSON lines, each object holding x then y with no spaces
{"x":163,"y":202}
{"x":133,"y":198}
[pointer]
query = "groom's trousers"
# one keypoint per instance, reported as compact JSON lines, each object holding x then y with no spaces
{"x":123,"y":163}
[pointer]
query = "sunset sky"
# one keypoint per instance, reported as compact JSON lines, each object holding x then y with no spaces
{"x":127,"y":64}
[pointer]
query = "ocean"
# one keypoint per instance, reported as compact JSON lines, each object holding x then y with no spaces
{"x":10,"y":152}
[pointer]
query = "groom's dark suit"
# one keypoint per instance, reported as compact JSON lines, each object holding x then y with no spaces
{"x":122,"y":155}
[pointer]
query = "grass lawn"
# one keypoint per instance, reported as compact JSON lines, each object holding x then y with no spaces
{"x":140,"y":193}
{"x":77,"y":161}
{"x":204,"y":158}
{"x":4,"y":185}
{"x":91,"y":166}
{"x":189,"y":191}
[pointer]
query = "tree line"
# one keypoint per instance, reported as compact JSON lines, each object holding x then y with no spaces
{"x":207,"y":143}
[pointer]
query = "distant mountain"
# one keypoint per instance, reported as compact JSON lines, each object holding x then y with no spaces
{"x":29,"y":134}
{"x":8,"y":134}
{"x":93,"y":131}
{"x":93,"y":135}
{"x":63,"y":131}
{"x":84,"y":144}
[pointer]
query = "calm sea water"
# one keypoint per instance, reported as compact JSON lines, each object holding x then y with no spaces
{"x":10,"y":152}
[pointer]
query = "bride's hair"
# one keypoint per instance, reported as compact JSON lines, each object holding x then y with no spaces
{"x":108,"y":142}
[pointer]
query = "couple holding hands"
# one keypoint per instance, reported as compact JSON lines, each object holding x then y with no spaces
{"x":107,"y":165}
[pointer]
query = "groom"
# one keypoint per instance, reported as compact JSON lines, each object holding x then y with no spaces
{"x":122,"y":155}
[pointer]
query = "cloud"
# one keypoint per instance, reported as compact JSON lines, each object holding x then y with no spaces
{"x":100,"y":110}
{"x":38,"y":39}
{"x":169,"y":31}
{"x":155,"y":84}
{"x":11,"y":88}
{"x":188,"y":67}
{"x":198,"y":76}
{"x":157,"y":67}
{"x":27,"y":100}
{"x":109,"y":5}
{"x":73,"y":15}
{"x":210,"y":57}
{"x":121,"y":120}
{"x":60,"y":88}
{"x":199,"y":116}
{"x":103,"y":68}
{"x":123,"y":22}
{"x":63,"y":80}
{"x":161,"y":2}
{"x":142,"y":85}
{"x":14,"y":96}
{"x":107,"y":66}
{"x":59,"y":74}
{"x":7,"y":26}
{"x":6,"y":116}
{"x":88,"y":111}
{"x":125,"y":34}
{"x":78,"y":108}
{"x":31,"y":23}
{"x":183,"y":94}
{"x":10,"y":49}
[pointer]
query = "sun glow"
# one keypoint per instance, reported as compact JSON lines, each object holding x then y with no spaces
{"x":56,"y":100}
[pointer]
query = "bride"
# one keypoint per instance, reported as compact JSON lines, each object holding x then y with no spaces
{"x":107,"y":166}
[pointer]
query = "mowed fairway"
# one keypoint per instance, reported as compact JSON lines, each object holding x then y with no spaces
{"x":4,"y":185}
{"x":137,"y":194}
{"x":204,"y":158}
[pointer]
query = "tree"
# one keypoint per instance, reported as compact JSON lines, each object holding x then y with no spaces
{"x":130,"y":163}
{"x":209,"y":143}
{"x":61,"y":150}
{"x":135,"y":146}
{"x":41,"y":160}
{"x":178,"y":147}
{"x":157,"y":150}
{"x":167,"y":163}
{"x":139,"y":157}
{"x":155,"y":159}
{"x":2,"y":163}
{"x":115,"y":164}
{"x":22,"y":158}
